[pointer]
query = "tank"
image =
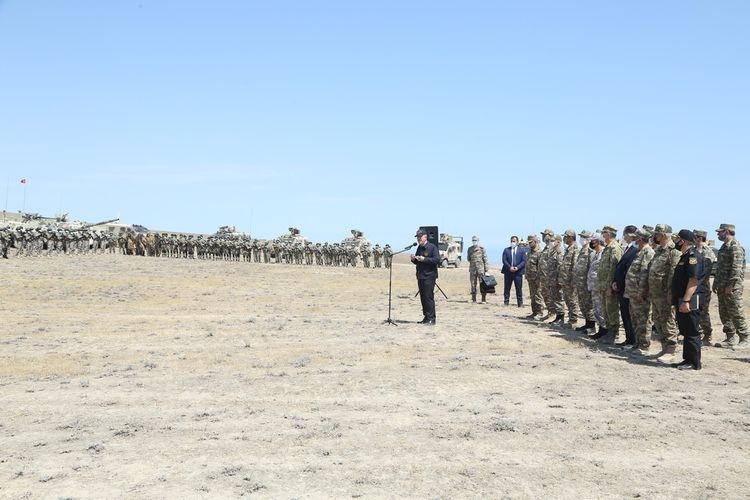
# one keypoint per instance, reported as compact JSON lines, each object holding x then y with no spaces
{"x":451,"y":248}
{"x":356,"y":241}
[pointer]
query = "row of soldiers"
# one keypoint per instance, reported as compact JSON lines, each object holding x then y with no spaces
{"x":47,"y":240}
{"x":583,"y":278}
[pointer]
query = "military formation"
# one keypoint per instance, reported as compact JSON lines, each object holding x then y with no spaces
{"x":23,"y":241}
{"x":581,"y":282}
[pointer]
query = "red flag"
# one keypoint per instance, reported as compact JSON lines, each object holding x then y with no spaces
{"x":23,"y":181}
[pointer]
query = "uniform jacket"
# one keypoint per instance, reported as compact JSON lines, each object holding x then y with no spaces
{"x":429,"y":268}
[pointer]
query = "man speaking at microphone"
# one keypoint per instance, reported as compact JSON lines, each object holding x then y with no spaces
{"x":426,"y":258}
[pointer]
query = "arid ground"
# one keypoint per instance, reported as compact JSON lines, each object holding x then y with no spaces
{"x":134,"y":377}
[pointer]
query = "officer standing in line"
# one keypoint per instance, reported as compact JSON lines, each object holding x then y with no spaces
{"x":427,"y":259}
{"x":709,"y":257}
{"x":685,"y":297}
{"x":477,"y":257}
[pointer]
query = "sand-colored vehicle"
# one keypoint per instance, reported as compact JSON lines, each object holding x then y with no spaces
{"x":451,"y":248}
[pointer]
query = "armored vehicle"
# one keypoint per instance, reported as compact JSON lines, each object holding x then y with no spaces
{"x":356,"y":240}
{"x":451,"y":248}
{"x":294,"y":236}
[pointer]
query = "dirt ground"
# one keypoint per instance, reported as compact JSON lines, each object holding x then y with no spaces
{"x":133,"y":377}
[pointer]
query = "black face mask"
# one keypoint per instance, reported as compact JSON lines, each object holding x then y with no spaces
{"x":592,"y":246}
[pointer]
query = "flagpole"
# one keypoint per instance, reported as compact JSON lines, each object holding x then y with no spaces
{"x":24,"y":198}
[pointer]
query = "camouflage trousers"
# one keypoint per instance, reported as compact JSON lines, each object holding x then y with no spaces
{"x":474,"y":277}
{"x":584,"y":302}
{"x":611,"y":312}
{"x":639,"y":315}
{"x":544,"y":291}
{"x":535,"y":292}
{"x":555,"y":303}
{"x":570,"y":295}
{"x":704,"y":321}
{"x":598,"y":307}
{"x":663,"y":317}
{"x":731,"y":314}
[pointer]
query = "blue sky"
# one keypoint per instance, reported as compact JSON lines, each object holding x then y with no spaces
{"x":487,"y":118}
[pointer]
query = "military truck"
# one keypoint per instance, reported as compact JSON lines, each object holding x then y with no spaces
{"x":451,"y":248}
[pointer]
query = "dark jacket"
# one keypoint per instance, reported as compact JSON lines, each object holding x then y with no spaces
{"x":520,"y":261}
{"x":429,"y":268}
{"x":621,"y":270}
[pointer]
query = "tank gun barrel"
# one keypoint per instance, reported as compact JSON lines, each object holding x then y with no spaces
{"x":86,"y":226}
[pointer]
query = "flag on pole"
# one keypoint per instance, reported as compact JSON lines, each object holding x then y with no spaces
{"x":23,"y":181}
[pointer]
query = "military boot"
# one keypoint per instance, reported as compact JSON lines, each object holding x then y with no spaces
{"x":473,"y":297}
{"x":668,"y":354}
{"x":729,"y":342}
{"x":742,"y":344}
{"x":484,"y":298}
{"x":546,"y":316}
{"x":559,"y":320}
{"x":601,"y":333}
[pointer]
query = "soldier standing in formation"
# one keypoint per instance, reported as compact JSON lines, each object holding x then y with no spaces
{"x":477,"y":257}
{"x":636,"y":291}
{"x":685,"y":298}
{"x":610,"y":257}
{"x":547,"y":236}
{"x":581,"y":272}
{"x":533,"y":278}
{"x":709,"y":259}
{"x":568,"y":277}
{"x":660,"y":274}
{"x":728,"y":286}
{"x":387,"y":255}
{"x":554,"y":263}
{"x":597,"y":245}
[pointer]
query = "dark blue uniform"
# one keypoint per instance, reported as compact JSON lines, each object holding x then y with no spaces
{"x":689,"y":266}
{"x":427,"y":273}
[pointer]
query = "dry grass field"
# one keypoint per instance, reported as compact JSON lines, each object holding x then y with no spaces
{"x":132,"y":377}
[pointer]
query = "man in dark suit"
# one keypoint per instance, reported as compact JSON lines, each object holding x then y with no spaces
{"x":514,"y":265}
{"x":621,"y":270}
{"x":427,"y":259}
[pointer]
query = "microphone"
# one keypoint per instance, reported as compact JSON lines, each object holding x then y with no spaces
{"x":410,"y":246}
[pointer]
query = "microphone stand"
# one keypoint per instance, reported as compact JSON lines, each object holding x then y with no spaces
{"x":390,"y":283}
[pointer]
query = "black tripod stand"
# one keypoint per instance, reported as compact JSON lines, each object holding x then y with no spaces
{"x":390,"y":283}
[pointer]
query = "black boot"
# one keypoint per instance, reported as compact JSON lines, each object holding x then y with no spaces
{"x":484,"y":298}
{"x":473,"y":297}
{"x":601,"y":333}
{"x":584,"y":328}
{"x":559,"y":320}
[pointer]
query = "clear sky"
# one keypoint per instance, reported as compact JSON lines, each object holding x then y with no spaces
{"x":487,"y":118}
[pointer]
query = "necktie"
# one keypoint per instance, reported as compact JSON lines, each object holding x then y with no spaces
{"x":513,"y":257}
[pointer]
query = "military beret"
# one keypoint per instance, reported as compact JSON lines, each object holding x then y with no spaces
{"x":663,"y":228}
{"x":643,"y":234}
{"x":549,"y":232}
{"x":585,"y":234}
{"x":609,"y":229}
{"x":725,"y":227}
{"x":629,"y":230}
{"x":686,"y":234}
{"x":570,"y":232}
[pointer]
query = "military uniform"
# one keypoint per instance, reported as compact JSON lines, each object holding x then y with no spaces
{"x":477,"y":257}
{"x":611,"y":308}
{"x":689,"y":266}
{"x":659,"y":284}
{"x":568,"y":279}
{"x":554,"y":263}
{"x":547,"y":236}
{"x":709,"y":260}
{"x":592,"y":282}
{"x":533,"y":278}
{"x":730,"y":275}
{"x":636,"y":291}
{"x":580,"y":276}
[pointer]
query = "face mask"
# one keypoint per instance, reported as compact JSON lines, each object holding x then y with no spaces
{"x":513,"y":245}
{"x":583,"y":241}
{"x":722,"y":236}
{"x":592,"y":246}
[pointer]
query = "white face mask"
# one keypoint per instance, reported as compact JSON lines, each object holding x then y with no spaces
{"x":583,"y":241}
{"x":513,"y":245}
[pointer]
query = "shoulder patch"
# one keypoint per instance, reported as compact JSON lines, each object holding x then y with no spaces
{"x":693,"y":261}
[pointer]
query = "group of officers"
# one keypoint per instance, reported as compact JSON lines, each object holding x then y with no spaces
{"x":651,"y":282}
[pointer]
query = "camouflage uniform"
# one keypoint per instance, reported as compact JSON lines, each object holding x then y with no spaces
{"x":611,"y":255}
{"x":387,"y":255}
{"x":709,"y":260}
{"x":659,"y":288}
{"x":477,"y":257}
{"x":580,"y":273}
{"x":568,"y":278}
{"x":377,"y":254}
{"x":533,"y":277}
{"x":636,"y":291}
{"x":547,"y":234}
{"x":730,"y":273}
{"x":592,"y":283}
{"x":554,"y":263}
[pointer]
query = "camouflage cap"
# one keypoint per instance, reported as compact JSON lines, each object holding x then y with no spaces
{"x":648,"y":228}
{"x":557,"y":237}
{"x":597,"y":237}
{"x":629,"y":230}
{"x":643,"y":234}
{"x":532,"y":237}
{"x":585,"y":234}
{"x":475,"y":238}
{"x":700,"y":233}
{"x":609,"y":229}
{"x":548,"y":232}
{"x":662,"y":228}
{"x":570,"y":232}
{"x":725,"y":227}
